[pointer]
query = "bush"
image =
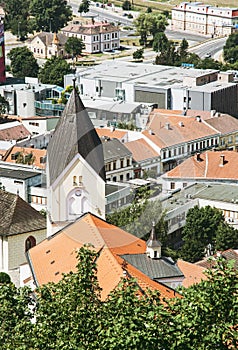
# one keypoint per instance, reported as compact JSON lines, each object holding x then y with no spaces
{"x":5,"y":278}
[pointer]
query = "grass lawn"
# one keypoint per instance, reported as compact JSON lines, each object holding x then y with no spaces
{"x":169,"y":4}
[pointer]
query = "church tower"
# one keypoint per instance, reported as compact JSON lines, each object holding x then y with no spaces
{"x":153,"y":245}
{"x":75,"y":168}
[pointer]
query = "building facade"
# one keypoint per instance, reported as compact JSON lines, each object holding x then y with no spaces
{"x":204,"y":19}
{"x":97,"y":36}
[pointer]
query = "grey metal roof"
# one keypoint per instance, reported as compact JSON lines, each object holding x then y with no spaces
{"x":114,"y":149}
{"x":74,"y":134}
{"x":17,"y":216}
{"x":153,"y":268}
{"x":17,"y":174}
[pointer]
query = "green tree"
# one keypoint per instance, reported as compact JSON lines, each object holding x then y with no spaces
{"x":183,"y":47}
{"x":149,"y":24}
{"x":4,"y":105}
{"x":51,"y":15}
{"x":160,"y":43}
{"x":84,"y":6}
{"x":206,"y":316}
{"x":15,"y":317}
{"x":4,"y":278}
{"x":74,"y":46}
{"x":53,"y":71}
{"x":226,"y":237}
{"x":23,"y":63}
{"x":230,"y":50}
{"x":126,"y":6}
{"x":168,"y":56}
{"x":67,"y":312}
{"x":203,"y":227}
{"x":16,"y":17}
{"x":138,"y":54}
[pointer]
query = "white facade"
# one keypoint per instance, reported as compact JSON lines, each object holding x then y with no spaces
{"x":76,"y":191}
{"x":205,"y":19}
{"x":97,"y":37}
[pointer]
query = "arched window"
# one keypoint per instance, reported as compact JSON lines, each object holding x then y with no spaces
{"x":29,"y":243}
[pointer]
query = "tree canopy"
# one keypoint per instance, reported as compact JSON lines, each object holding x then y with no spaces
{"x":26,"y":16}
{"x":53,"y":71}
{"x":23,"y":63}
{"x":51,"y":15}
{"x":16,"y":17}
{"x":74,"y":46}
{"x":71,"y":315}
{"x":84,"y":6}
{"x":206,"y":228}
{"x":149,"y":24}
{"x":230,"y":49}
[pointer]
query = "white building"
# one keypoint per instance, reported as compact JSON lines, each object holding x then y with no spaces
{"x":205,"y":19}
{"x":97,"y":36}
{"x":75,"y":168}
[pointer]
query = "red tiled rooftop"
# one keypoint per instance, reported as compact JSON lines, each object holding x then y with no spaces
{"x":141,"y":150}
{"x":57,"y":254}
{"x":208,"y":166}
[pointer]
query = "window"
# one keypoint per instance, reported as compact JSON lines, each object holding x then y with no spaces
{"x":29,"y":243}
{"x":122,"y":163}
{"x":128,"y":162}
{"x":172,"y":185}
{"x":75,"y":181}
{"x":114,"y":165}
{"x":121,"y":177}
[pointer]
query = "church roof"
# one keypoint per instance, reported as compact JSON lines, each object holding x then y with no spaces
{"x":56,"y":255}
{"x":17,"y":216}
{"x":74,"y":134}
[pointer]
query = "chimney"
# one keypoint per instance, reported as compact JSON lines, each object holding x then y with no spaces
{"x":198,"y":118}
{"x":198,"y":158}
{"x":181,"y":124}
{"x":213,"y":112}
{"x":167,"y":126}
{"x":222,"y":160}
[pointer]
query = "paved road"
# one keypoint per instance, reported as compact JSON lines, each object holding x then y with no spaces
{"x":211,"y":47}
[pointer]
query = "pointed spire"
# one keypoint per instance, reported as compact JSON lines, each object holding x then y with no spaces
{"x":153,"y":245}
{"x":74,"y":134}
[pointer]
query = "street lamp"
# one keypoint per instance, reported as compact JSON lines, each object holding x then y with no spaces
{"x":50,"y":24}
{"x":18,"y":30}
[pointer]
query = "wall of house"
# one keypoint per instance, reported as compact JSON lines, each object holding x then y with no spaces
{"x":16,"y":247}
{"x":25,"y":100}
{"x":78,"y":176}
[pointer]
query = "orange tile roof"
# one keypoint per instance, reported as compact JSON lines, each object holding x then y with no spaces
{"x":18,"y":132}
{"x":208,"y":167}
{"x":141,"y":150}
{"x":117,"y":134}
{"x":179,"y":129}
{"x":193,"y":273}
{"x":37,"y":153}
{"x":56,"y":255}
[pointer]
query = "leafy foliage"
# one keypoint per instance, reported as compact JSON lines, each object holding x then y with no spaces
{"x":74,"y":46}
{"x":149,"y":24}
{"x":70,"y":314}
{"x":137,"y":217}
{"x":4,"y":105}
{"x":54,"y":70}
{"x":23,"y":63}
{"x":206,"y":317}
{"x":230,"y":49}
{"x":4,"y":278}
{"x":138,"y":54}
{"x":84,"y":6}
{"x":126,"y":6}
{"x":26,"y":16}
{"x":206,"y":227}
{"x":16,"y":17}
{"x":51,"y":15}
